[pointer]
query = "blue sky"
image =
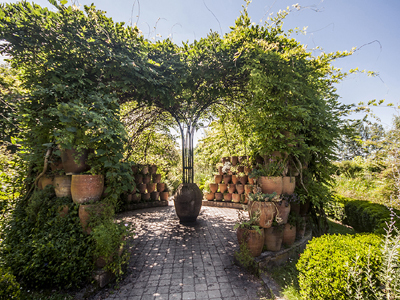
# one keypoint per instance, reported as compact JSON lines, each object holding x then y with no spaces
{"x":331,"y":24}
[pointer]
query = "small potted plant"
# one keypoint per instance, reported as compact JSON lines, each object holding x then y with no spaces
{"x":250,"y":234}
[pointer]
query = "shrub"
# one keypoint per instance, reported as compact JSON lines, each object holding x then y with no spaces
{"x":365,"y":216}
{"x":335,"y":208}
{"x":44,"y":249}
{"x":9,"y":287}
{"x":324,"y":265}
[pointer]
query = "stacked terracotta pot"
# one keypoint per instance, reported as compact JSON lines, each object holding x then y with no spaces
{"x":148,"y":185}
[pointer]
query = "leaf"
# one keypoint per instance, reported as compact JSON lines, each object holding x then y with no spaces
{"x":71,"y":129}
{"x":63,"y":2}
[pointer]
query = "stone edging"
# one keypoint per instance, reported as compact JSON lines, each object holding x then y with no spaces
{"x":223,"y":204}
{"x":140,"y":205}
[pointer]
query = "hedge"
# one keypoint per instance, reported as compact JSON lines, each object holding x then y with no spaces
{"x":324,"y":265}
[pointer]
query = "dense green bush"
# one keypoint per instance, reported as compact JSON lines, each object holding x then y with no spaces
{"x":9,"y":287}
{"x":335,"y":208}
{"x":44,"y":249}
{"x":324,"y":265}
{"x":365,"y":216}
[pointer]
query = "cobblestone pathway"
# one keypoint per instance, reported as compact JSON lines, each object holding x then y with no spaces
{"x":173,"y":261}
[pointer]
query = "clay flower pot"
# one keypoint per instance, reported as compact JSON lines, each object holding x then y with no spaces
{"x":283,"y":208}
{"x":74,"y":162}
{"x":225,"y":159}
{"x":218,"y":196}
{"x":248,"y":188}
{"x":142,"y":188}
{"x":218,"y":178}
{"x":188,"y":200}
{"x":136,"y":197}
{"x":63,"y":211}
{"x":164,"y":196}
{"x":271,"y":185}
{"x":231,"y":188}
{"x":301,"y":229}
{"x":227,"y":178}
{"x":236,"y":198}
{"x":154,"y":196}
{"x":145,"y":170}
{"x":150,"y":187}
{"x":62,"y":186}
{"x":44,"y":181}
{"x":247,"y":170}
{"x":138,"y":178}
{"x":240,"y":188}
{"x":243,"y":179}
{"x":134,"y":169}
{"x":234,"y":160}
{"x":235,"y":179}
{"x":267,"y":212}
{"x":251,"y":180}
{"x":86,"y":188}
{"x":222,"y":187}
{"x":228,"y":197}
{"x":156,"y":178}
{"x":273,"y":238}
{"x":146,"y":196}
{"x":288,"y":185}
{"x":88,"y":211}
{"x":160,"y":187}
{"x":220,"y":170}
{"x":210,"y":196}
{"x":213,"y":187}
{"x":289,"y":235}
{"x":153,"y":169}
{"x":253,"y":240}
{"x":146,"y":178}
{"x":240,"y":169}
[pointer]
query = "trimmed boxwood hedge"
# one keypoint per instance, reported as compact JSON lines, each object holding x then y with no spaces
{"x":324,"y":265}
{"x":365,"y":216}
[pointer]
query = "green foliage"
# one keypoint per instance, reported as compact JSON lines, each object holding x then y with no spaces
{"x":44,"y":249}
{"x":365,"y":216}
{"x":9,"y":287}
{"x":324,"y":265}
{"x":335,"y":208}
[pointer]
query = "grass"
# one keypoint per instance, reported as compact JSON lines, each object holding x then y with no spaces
{"x":287,"y":274}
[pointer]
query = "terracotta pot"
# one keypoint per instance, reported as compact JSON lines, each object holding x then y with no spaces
{"x":210,"y":196}
{"x":245,"y":198}
{"x":240,"y":188}
{"x":136,"y":197}
{"x":135,"y":169}
{"x":253,"y":240}
{"x":153,"y":169}
{"x":235,"y":179}
{"x":267,"y":212}
{"x":283,"y":208}
{"x":145,"y":170}
{"x":62,"y":186}
{"x":227,"y":179}
{"x":164,"y":196}
{"x":228,"y":197}
{"x":222,"y":187}
{"x":247,"y":170}
{"x":288,"y":185}
{"x":213,"y":187}
{"x":231,"y":188}
{"x":304,"y":208}
{"x":188,"y":200}
{"x":218,"y":178}
{"x":86,"y":188}
{"x":44,"y":181}
{"x":234,"y":160}
{"x":146,"y":178}
{"x":150,"y":187}
{"x":138,"y":178}
{"x":218,"y":196}
{"x":301,"y":229}
{"x":156,"y":178}
{"x":87,"y":211}
{"x":271,"y":185}
{"x":220,"y":170}
{"x":154,"y":196}
{"x":63,"y":211}
{"x":236,"y":198}
{"x":273,"y":238}
{"x":145,"y":196}
{"x":248,"y":188}
{"x":142,"y":188}
{"x":289,"y":235}
{"x":250,"y":180}
{"x":74,"y":162}
{"x":243,"y":179}
{"x":160,"y":187}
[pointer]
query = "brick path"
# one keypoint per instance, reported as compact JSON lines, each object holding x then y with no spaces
{"x":173,"y":261}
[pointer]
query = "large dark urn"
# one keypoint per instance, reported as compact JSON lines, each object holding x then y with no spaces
{"x":188,"y":201}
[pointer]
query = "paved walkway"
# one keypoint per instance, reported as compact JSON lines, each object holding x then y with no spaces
{"x":173,"y":261}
